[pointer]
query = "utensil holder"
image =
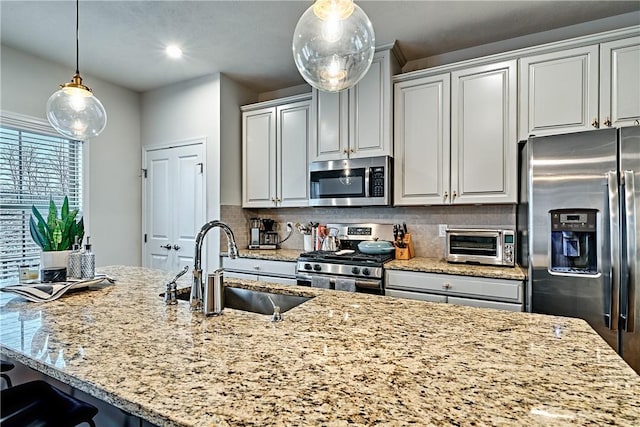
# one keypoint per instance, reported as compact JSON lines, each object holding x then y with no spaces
{"x":407,"y":252}
{"x":308,"y":242}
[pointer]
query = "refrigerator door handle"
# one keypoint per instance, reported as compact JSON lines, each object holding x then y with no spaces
{"x":611,"y":318}
{"x":629,"y":310}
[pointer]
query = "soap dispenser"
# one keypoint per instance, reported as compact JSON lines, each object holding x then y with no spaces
{"x":88,"y":262}
{"x":74,"y":270}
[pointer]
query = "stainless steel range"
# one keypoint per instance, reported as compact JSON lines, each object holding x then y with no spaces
{"x":348,"y":268}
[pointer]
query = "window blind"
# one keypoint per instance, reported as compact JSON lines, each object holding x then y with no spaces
{"x":36,"y":165}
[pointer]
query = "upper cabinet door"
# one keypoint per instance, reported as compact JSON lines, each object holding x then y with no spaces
{"x":422,"y":141}
{"x":259,"y":158}
{"x":293,"y":131}
{"x":483,"y":134}
{"x":620,"y":82}
{"x":356,"y":123}
{"x":331,"y":141}
{"x":370,"y":111}
{"x":559,"y":92}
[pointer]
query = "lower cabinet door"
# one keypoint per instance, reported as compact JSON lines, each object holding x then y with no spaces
{"x":415,"y":295}
{"x":485,"y":304}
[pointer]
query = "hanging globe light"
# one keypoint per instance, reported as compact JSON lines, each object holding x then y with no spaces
{"x":73,"y":110}
{"x":333,"y":45}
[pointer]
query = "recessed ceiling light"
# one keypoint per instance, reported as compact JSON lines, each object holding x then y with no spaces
{"x":173,"y":51}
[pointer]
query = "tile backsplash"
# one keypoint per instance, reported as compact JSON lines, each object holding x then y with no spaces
{"x":422,"y":222}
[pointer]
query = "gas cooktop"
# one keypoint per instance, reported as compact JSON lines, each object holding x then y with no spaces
{"x":345,"y":257}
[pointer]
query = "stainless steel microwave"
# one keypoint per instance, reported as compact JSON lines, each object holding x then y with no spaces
{"x":351,"y":182}
{"x":480,"y":246}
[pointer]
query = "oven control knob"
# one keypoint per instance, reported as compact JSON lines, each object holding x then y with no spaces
{"x":365,"y":271}
{"x":355,"y":270}
{"x":316,"y":267}
{"x":307,"y":266}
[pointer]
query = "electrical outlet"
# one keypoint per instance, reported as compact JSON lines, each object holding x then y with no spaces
{"x":442,"y":230}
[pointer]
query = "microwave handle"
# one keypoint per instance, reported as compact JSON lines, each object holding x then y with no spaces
{"x":367,"y":182}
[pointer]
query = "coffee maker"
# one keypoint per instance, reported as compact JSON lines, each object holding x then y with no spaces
{"x":263,"y":234}
{"x":254,"y":233}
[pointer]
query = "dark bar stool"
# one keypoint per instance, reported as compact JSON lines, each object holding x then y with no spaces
{"x":6,"y":366}
{"x":39,"y":403}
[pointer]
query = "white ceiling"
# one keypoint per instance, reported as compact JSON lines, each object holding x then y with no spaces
{"x":250,"y":41}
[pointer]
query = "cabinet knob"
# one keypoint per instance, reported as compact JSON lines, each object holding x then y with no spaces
{"x":352,"y":150}
{"x":176,"y":247}
{"x":446,"y":285}
{"x":454,"y":195}
{"x":167,"y":246}
{"x":345,"y":151}
{"x":607,"y":122}
{"x":256,"y":267}
{"x":595,"y":123}
{"x":446,"y":195}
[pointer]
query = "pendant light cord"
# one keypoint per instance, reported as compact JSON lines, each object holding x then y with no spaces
{"x":77,"y":37}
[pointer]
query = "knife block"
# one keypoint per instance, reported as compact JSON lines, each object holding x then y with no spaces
{"x":407,"y":252}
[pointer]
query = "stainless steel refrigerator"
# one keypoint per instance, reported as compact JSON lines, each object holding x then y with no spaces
{"x":578,"y":231}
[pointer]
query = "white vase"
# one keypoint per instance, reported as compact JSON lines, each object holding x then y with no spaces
{"x":54,"y":259}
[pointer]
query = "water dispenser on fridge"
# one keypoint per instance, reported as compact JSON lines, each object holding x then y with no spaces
{"x":573,"y":246}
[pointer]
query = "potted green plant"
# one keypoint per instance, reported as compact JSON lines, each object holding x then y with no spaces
{"x":56,"y":234}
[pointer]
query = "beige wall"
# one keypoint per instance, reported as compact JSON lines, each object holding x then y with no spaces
{"x":112,"y":195}
{"x":209,"y":108}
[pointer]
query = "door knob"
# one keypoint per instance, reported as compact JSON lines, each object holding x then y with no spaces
{"x":167,"y":246}
{"x":176,"y":247}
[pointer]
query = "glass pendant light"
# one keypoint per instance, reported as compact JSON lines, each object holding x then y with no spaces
{"x":333,"y":45}
{"x":73,"y":110}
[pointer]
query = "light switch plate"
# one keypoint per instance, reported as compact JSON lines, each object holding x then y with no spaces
{"x":442,"y":230}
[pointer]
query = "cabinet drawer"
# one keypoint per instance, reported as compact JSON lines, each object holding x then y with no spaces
{"x":279,"y":280}
{"x":243,"y":276}
{"x":260,"y":266}
{"x":485,"y":304}
{"x":415,"y":295}
{"x":494,"y":289}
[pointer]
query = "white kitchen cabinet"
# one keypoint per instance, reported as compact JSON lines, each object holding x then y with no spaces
{"x":483,"y":134}
{"x":463,"y":290}
{"x":580,"y":89}
{"x":559,"y":92}
{"x":275,"y":140}
{"x":283,"y":272}
{"x":620,"y":82}
{"x":422,"y":140}
{"x":357,"y":123}
{"x":455,"y":137}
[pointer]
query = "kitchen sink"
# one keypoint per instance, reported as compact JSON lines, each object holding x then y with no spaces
{"x":253,"y":301}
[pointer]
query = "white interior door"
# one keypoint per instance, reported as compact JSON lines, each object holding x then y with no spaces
{"x":174,"y":205}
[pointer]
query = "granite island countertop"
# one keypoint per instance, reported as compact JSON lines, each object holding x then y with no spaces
{"x":338,"y":359}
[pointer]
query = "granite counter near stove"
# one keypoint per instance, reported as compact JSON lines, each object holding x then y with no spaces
{"x":421,"y":264}
{"x":270,"y":255}
{"x":338,"y":359}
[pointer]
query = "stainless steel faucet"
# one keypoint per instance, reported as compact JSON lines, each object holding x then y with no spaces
{"x":197,"y":287}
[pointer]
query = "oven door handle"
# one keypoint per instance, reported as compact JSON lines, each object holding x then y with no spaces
{"x":360,"y":283}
